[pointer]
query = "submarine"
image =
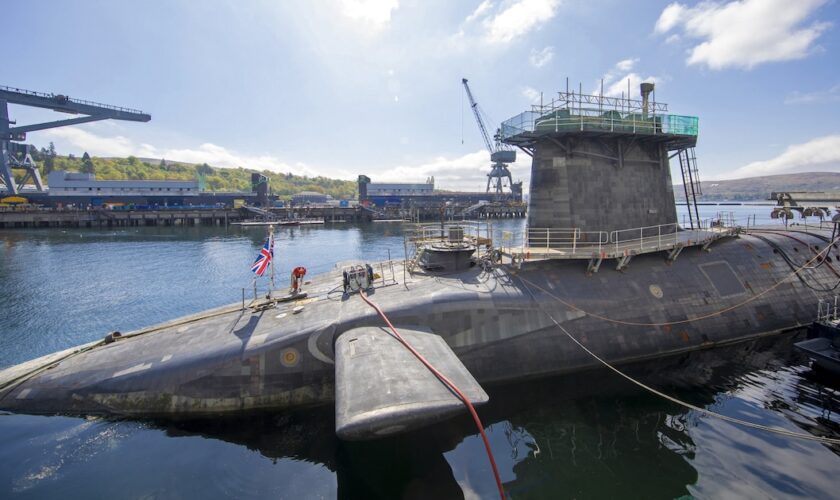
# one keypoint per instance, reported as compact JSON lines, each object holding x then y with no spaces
{"x":603,"y":265}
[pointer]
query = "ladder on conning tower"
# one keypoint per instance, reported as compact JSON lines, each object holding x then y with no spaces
{"x":691,"y":183}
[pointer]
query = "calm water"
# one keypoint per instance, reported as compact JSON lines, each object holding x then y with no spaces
{"x":589,"y":436}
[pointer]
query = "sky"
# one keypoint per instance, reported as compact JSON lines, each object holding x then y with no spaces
{"x":346,"y":87}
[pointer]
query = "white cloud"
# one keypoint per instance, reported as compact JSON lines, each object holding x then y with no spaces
{"x":671,"y":16}
{"x":482,"y":9}
{"x":374,"y":13}
{"x":540,"y":58}
{"x":744,"y":33}
{"x":626,"y":64}
{"x":818,"y":97}
{"x":467,"y":172}
{"x":98,"y":145}
{"x":533,"y":95}
{"x":822,"y":153}
{"x":510,"y":20}
{"x":209,"y":153}
{"x":615,"y":80}
{"x":464,"y":173}
{"x":619,"y":86}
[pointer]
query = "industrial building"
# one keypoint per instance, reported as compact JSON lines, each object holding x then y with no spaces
{"x":75,"y":184}
{"x":420,"y":195}
{"x":83,"y":190}
{"x":310,"y":198}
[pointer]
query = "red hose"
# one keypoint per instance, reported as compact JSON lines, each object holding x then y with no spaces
{"x":448,"y":383}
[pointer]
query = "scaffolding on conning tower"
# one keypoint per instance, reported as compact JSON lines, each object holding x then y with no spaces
{"x":574,"y":111}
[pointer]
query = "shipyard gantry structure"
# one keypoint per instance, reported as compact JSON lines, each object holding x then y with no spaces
{"x":15,"y":156}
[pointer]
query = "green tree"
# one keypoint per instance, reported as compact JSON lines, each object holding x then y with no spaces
{"x":204,"y":169}
{"x":87,"y":164}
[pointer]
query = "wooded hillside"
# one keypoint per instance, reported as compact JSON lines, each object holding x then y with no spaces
{"x":216,"y":178}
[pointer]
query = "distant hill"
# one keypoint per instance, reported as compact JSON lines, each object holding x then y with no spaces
{"x":216,"y":179}
{"x":759,"y":188}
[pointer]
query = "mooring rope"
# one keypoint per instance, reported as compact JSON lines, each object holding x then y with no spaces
{"x":704,"y":411}
{"x":689,"y":320}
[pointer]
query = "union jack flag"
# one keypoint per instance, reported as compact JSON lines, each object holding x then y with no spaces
{"x":264,"y":258}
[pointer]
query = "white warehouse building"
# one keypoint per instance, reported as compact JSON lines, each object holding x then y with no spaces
{"x":77,"y":184}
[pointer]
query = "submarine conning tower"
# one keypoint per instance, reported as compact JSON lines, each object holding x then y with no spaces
{"x":602,"y":164}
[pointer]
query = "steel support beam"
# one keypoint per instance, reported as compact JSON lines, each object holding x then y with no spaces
{"x":526,"y":151}
{"x":594,"y":264}
{"x":623,"y":261}
{"x":5,"y":168}
{"x":674,"y":253}
{"x":562,"y":146}
{"x":57,"y":123}
{"x":66,"y":104}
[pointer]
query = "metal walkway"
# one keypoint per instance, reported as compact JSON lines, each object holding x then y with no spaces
{"x":595,"y":246}
{"x":265,"y":214}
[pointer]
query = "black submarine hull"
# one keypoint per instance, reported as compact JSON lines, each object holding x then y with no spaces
{"x":502,"y":323}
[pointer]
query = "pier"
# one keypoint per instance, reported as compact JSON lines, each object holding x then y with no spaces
{"x":31,"y":217}
{"x":45,"y":218}
{"x":365,"y":214}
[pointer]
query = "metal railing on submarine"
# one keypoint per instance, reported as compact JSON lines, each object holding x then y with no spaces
{"x":419,"y":237}
{"x":829,"y":311}
{"x":572,"y":243}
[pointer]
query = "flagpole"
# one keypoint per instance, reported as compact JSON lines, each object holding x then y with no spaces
{"x":271,"y":252}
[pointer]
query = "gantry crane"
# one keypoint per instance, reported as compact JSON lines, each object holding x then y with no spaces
{"x":500,"y":154}
{"x":9,"y":151}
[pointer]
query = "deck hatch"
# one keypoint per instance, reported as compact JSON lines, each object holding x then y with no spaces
{"x":723,"y":278}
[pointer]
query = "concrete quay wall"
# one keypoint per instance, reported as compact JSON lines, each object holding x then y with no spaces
{"x":108,"y":218}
